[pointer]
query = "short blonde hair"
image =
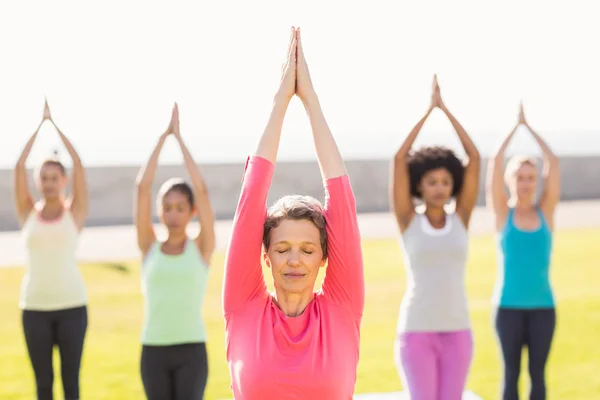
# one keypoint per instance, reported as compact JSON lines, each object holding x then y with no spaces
{"x":517,"y":162}
{"x":296,"y":207}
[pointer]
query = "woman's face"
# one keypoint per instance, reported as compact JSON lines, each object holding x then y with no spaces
{"x":436,"y":187}
{"x":175,"y":211}
{"x":295,"y":255}
{"x":523,"y":182}
{"x":51,"y":181}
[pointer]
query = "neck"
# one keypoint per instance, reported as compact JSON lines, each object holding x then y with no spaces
{"x":53,"y":203}
{"x":522,"y":204}
{"x":436,"y":214}
{"x":177,"y":237}
{"x":292,"y":304}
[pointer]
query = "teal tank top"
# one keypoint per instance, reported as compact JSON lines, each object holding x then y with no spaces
{"x":524,"y":266}
{"x":174,"y":288}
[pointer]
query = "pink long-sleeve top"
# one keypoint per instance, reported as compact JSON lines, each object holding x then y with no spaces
{"x":312,"y":356}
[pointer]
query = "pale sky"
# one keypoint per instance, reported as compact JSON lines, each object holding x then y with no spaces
{"x":112,"y":69}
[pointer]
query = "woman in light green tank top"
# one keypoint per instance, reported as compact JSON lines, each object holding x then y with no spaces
{"x":174,"y":361}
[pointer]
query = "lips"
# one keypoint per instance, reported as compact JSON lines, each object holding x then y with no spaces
{"x":294,"y":275}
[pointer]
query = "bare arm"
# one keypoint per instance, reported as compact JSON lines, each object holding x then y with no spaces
{"x":143,"y":209}
{"x":206,"y":238}
{"x":268,"y":145}
{"x":22,"y":197}
{"x":78,"y":203}
{"x":467,"y":197}
{"x":551,"y":171}
{"x":401,"y":199}
{"x":328,"y":154}
{"x":496,"y":198}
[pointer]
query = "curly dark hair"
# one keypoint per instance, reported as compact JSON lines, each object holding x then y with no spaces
{"x":429,"y":158}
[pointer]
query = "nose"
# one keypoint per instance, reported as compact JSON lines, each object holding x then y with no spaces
{"x":293,"y":260}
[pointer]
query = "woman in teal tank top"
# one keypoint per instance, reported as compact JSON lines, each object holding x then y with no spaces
{"x":174,"y":363}
{"x":525,"y":315}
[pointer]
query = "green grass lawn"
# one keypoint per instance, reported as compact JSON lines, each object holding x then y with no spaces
{"x":111,"y":358}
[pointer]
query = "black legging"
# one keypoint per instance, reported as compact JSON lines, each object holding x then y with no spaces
{"x":177,"y":372}
{"x":517,"y":328}
{"x":65,"y":328}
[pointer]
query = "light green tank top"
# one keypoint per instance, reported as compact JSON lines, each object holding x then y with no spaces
{"x":174,"y":287}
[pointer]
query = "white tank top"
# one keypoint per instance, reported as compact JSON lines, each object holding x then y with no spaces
{"x":52,"y":280}
{"x":435,"y":260}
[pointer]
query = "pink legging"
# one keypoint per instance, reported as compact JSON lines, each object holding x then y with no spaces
{"x":434,"y":365}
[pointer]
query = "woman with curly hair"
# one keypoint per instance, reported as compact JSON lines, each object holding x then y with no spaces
{"x":433,"y":347}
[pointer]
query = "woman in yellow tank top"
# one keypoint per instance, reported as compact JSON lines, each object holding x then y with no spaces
{"x":174,"y":362}
{"x":53,"y":295}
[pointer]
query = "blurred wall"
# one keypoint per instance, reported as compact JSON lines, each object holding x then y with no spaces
{"x":112,"y":188}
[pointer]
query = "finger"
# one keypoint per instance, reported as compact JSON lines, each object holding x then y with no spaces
{"x":300,"y":50}
{"x":292,"y":56}
{"x":46,"y":107}
{"x":174,"y":112}
{"x":292,"y":34}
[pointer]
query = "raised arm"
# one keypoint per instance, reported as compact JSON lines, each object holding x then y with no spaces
{"x":401,"y":200}
{"x":467,"y":197}
{"x":344,"y":279}
{"x":143,"y":207}
{"x":22,"y":197}
{"x":78,"y":202}
{"x":495,"y":195}
{"x":206,"y":238}
{"x":551,"y":171}
{"x":328,"y":154}
{"x":243,"y":278}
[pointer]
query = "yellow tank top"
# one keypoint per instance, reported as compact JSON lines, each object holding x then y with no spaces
{"x":52,"y":280}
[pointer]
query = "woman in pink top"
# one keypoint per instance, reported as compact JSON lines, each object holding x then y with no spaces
{"x":294,"y":343}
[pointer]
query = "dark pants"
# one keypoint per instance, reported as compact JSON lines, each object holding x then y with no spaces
{"x":517,"y":328}
{"x":65,"y":328}
{"x":177,"y":372}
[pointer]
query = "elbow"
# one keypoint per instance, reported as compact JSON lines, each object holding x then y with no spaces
{"x":400,"y":155}
{"x":474,"y":155}
{"x":76,"y":161}
{"x":202,"y":191}
{"x":209,"y":249}
{"x":142,"y":186}
{"x":20,"y":165}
